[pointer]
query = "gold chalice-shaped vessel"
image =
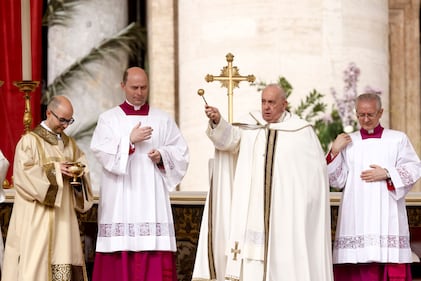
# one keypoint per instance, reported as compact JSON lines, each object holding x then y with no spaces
{"x":76,"y":169}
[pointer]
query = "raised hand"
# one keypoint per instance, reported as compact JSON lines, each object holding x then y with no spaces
{"x":213,"y":114}
{"x":140,"y":133}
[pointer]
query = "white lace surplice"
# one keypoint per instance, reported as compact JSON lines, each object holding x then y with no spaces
{"x":372,"y":224}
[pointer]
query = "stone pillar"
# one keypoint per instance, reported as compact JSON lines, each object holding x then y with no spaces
{"x":405,"y":96}
{"x":162,"y":56}
{"x":89,"y":23}
{"x":405,"y":69}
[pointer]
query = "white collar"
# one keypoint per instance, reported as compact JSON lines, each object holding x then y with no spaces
{"x":44,"y":125}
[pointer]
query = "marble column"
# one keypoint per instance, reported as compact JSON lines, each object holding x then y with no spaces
{"x":162,"y":55}
{"x":405,"y":74}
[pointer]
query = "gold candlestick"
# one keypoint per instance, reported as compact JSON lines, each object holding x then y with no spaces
{"x":27,"y":87}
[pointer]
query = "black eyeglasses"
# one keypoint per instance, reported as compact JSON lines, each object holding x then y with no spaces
{"x":62,"y":120}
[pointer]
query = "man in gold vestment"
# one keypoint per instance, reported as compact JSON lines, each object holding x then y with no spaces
{"x":43,"y":240}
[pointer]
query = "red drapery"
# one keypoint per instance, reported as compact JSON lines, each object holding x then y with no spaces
{"x":12,"y":103}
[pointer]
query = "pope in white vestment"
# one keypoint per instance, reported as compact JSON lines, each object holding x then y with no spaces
{"x":277,"y":225}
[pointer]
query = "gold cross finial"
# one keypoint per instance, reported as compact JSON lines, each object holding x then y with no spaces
{"x":235,"y":251}
{"x":230,"y":78}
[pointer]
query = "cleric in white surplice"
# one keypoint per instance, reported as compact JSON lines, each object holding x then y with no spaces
{"x":376,"y":168}
{"x":144,"y":157}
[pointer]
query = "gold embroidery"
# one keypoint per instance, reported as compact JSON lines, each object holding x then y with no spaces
{"x":41,"y":132}
{"x":51,"y":195}
{"x":50,"y":137}
{"x":61,"y":272}
{"x":211,"y":260}
{"x":45,"y":135}
{"x":67,"y":272}
{"x":270,"y":159}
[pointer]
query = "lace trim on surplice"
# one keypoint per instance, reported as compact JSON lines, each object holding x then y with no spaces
{"x":362,"y":241}
{"x":333,"y":177}
{"x":136,"y":229}
{"x":405,"y":175}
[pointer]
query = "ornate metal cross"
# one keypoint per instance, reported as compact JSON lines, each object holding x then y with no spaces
{"x":230,"y":78}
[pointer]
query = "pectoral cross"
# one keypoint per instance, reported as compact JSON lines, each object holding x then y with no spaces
{"x":236,"y":251}
{"x":229,"y":79}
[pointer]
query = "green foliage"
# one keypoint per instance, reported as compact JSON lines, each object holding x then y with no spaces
{"x":312,"y":109}
{"x":311,"y":106}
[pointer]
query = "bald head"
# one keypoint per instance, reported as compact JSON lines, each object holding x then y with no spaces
{"x":60,"y":101}
{"x":59,"y":114}
{"x":274,"y":103}
{"x":132,"y":71}
{"x":135,"y":85}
